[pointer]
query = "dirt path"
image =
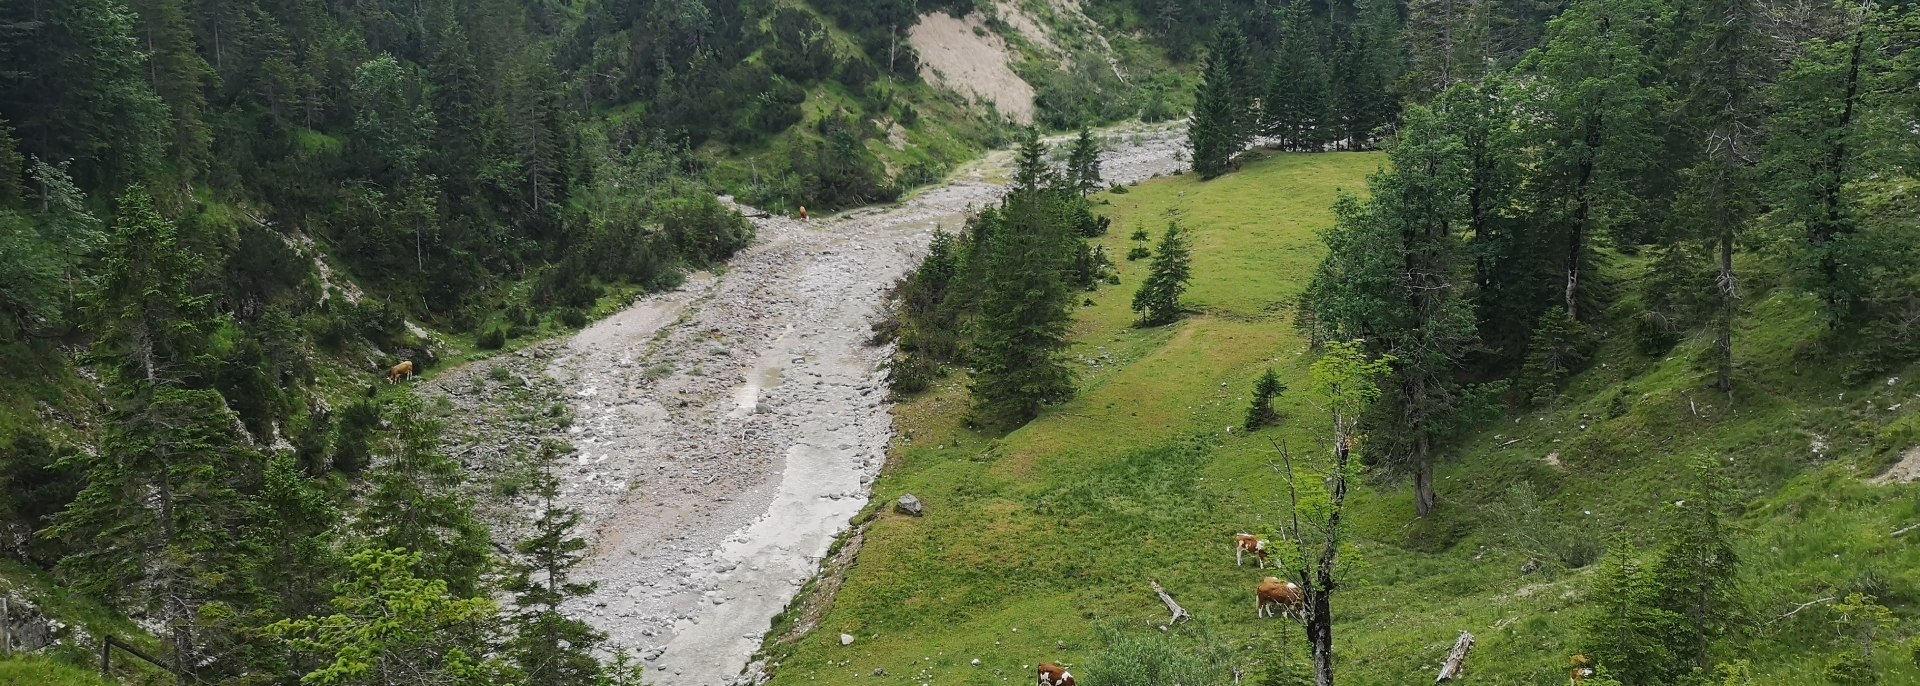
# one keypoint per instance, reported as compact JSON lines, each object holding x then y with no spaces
{"x":726,"y":432}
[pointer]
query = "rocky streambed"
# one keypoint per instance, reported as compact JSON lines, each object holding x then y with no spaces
{"x":727,"y":431}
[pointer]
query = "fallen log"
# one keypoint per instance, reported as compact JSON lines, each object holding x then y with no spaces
{"x":1179,"y":613}
{"x":1456,"y":663}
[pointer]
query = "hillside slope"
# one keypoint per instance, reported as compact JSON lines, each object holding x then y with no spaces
{"x":1039,"y":546}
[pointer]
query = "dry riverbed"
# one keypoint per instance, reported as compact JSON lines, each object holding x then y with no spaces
{"x":724,"y":433}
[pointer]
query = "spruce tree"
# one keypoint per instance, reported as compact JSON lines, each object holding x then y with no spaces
{"x":1020,"y":333}
{"x":1158,"y":300}
{"x":1083,"y":163}
{"x":551,"y":648}
{"x":1299,"y":98}
{"x":417,"y":503}
{"x":1222,"y":109}
{"x":1260,"y":413}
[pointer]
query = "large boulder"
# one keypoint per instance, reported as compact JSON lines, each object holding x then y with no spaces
{"x":910,"y":505}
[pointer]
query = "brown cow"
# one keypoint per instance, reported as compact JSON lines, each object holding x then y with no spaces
{"x":1273,"y":592}
{"x":1251,"y":545}
{"x":803,"y":213}
{"x":399,"y":371}
{"x":1053,"y":675}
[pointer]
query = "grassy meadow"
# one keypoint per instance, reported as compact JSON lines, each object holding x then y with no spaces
{"x":1037,"y":544}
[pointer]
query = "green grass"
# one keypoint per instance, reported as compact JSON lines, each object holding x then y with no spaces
{"x":34,"y":671}
{"x":1055,"y":529}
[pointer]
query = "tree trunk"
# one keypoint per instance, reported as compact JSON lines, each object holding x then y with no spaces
{"x":1723,"y":335}
{"x":1320,"y":635}
{"x":1423,"y":495}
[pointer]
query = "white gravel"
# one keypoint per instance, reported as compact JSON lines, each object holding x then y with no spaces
{"x":727,"y":431}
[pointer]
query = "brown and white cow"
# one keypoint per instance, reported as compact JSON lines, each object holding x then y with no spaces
{"x":1249,"y":544}
{"x":1273,"y":593}
{"x":1054,"y":675}
{"x":400,"y":371}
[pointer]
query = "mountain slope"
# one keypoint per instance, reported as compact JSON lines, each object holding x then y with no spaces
{"x":1036,"y":544}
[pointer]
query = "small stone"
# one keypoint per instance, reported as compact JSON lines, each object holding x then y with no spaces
{"x":910,"y":505}
{"x":846,"y":639}
{"x":976,"y":662}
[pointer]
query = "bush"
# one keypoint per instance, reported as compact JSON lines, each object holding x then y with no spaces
{"x":493,"y":338}
{"x":353,"y":435}
{"x":572,"y":318}
{"x":1134,"y":658}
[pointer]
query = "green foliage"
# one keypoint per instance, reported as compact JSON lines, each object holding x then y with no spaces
{"x":1298,"y":103}
{"x":1657,"y":618}
{"x":1083,"y":163}
{"x":416,"y":502}
{"x":1158,"y":300}
{"x":494,"y":337}
{"x":1391,"y":279}
{"x":1020,"y":334}
{"x":1144,"y":658}
{"x":1222,"y":107}
{"x":1260,"y":412}
{"x":551,"y":648}
{"x":1558,"y":347}
{"x":390,"y":625}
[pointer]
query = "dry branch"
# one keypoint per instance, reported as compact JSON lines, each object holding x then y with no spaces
{"x":1456,"y":663}
{"x":1802,"y":606}
{"x":1904,"y":531}
{"x":1179,"y":613}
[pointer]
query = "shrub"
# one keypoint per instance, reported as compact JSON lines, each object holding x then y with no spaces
{"x":493,"y":338}
{"x":572,"y":318}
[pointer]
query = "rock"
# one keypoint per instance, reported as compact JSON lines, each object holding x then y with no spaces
{"x":879,"y":671}
{"x":976,"y":662}
{"x":910,"y":505}
{"x":846,"y":639}
{"x":1532,"y":565}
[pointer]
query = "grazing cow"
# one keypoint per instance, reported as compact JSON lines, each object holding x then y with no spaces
{"x":1249,"y":544}
{"x":400,"y":371}
{"x":803,"y":213}
{"x":1273,"y":592}
{"x":1053,"y":675}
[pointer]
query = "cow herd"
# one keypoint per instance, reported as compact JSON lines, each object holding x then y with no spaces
{"x":1272,"y":597}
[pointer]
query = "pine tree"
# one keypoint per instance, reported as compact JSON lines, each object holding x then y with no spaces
{"x":1260,"y":413}
{"x":1222,"y":109}
{"x":1299,"y":98}
{"x":1020,"y":334}
{"x":1083,"y":163}
{"x":1158,"y":300}
{"x":416,"y":503}
{"x":550,"y":648}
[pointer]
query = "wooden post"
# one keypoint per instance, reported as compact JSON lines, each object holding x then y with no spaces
{"x":1456,"y":663}
{"x":106,"y":657}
